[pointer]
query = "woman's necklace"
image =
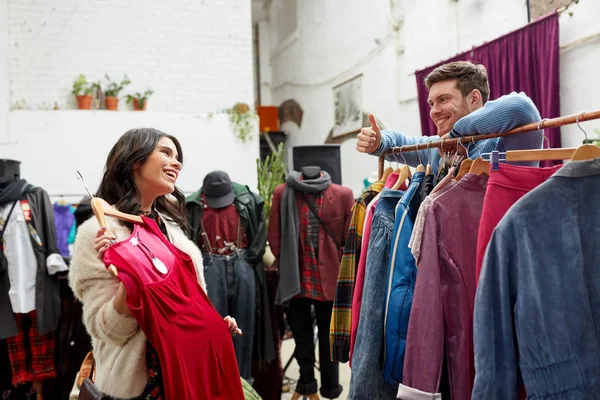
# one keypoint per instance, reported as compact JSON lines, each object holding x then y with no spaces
{"x":135,"y":241}
{"x":159,"y":265}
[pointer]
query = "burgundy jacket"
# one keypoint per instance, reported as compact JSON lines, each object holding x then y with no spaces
{"x":336,"y":212}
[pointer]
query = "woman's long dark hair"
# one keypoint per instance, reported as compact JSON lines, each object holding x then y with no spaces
{"x":117,"y":186}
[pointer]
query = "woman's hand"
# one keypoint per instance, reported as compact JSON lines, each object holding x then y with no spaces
{"x":119,"y":301}
{"x":104,"y":239}
{"x":232,"y":325}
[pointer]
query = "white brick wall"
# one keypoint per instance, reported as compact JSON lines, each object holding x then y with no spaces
{"x":195,"y":54}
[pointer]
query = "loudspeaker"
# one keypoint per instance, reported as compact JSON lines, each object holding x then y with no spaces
{"x":326,"y":156}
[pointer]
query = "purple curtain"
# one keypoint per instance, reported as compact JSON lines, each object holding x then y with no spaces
{"x":525,"y":60}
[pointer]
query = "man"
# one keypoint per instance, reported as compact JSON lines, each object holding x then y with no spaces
{"x":458,"y":98}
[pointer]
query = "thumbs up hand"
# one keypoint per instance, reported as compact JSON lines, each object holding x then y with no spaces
{"x":369,"y":137}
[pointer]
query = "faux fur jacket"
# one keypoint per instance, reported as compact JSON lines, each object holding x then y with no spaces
{"x":119,"y":344}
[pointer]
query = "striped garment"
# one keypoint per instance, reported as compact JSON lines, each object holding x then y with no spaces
{"x":500,"y":115}
{"x":341,"y":317}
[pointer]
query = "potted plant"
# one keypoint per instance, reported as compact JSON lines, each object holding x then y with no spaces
{"x":111,"y":93}
{"x":242,"y":119}
{"x":82,"y":91}
{"x":271,"y":172}
{"x":139,"y":100}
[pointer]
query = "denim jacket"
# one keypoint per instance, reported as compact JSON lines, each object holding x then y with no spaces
{"x":366,"y":381}
{"x":537,"y":308}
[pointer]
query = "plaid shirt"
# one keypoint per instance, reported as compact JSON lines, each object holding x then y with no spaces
{"x":309,"y":271}
{"x":341,"y":317}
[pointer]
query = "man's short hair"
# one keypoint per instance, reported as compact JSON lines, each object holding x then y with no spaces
{"x":468,"y":76}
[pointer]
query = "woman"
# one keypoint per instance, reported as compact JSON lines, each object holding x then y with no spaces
{"x":141,"y":172}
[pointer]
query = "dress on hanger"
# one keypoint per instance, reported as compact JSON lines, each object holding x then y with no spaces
{"x":192,"y":340}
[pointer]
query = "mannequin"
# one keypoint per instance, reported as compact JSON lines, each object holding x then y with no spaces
{"x":9,"y":171}
{"x":311,"y":172}
{"x":308,"y":223}
{"x":28,"y":316}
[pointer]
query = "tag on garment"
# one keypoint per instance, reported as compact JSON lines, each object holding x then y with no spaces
{"x":160,"y":266}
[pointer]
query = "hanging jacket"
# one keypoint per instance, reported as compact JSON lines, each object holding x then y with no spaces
{"x":400,"y":283}
{"x":249,"y":206}
{"x":440,"y":328}
{"x":47,"y":293}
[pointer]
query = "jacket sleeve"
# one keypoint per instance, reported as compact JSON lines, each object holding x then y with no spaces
{"x":258,"y":242}
{"x":273,"y":235}
{"x":497,"y":374}
{"x":501,"y":115}
{"x":425,"y":338}
{"x":54,"y":261}
{"x":95,"y":287}
{"x":193,"y":218}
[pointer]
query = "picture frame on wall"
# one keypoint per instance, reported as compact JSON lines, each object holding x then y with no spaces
{"x":348,"y":110}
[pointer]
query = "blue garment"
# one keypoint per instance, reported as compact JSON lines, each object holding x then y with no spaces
{"x":400,"y":283}
{"x":366,"y":381}
{"x":63,"y":221}
{"x":500,"y":115}
{"x":537,"y":307}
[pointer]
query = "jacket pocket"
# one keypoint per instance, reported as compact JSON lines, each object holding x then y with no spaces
{"x":396,"y":328}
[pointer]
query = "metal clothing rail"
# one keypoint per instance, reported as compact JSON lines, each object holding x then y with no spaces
{"x":452,"y":143}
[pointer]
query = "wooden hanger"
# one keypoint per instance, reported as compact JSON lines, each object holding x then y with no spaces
{"x":403,"y":174}
{"x":386,"y":173}
{"x":480,"y":166}
{"x":539,"y":155}
{"x":465,"y":167}
{"x":586,"y":152}
{"x":420,"y":167}
{"x":101,"y":208}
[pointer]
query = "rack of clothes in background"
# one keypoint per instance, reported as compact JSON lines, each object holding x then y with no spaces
{"x":476,"y":281}
{"x":51,"y":341}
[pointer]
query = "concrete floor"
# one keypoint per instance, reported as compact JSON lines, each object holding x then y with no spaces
{"x":293,"y":372}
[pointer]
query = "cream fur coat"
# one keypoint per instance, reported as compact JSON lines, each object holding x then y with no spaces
{"x":118,"y":343}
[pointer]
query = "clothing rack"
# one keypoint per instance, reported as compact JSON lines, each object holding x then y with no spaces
{"x":452,"y":143}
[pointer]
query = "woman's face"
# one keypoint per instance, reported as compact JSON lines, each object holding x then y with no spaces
{"x":158,"y":174}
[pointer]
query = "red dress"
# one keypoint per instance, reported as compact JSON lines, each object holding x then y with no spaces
{"x":193,"y":342}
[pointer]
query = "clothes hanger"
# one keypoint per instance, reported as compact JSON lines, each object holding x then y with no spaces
{"x":428,"y":167}
{"x":101,"y":208}
{"x":479,"y":166}
{"x":465,"y":165}
{"x":420,"y":167}
{"x":586,"y":151}
{"x":386,"y":173}
{"x":403,"y":173}
{"x":540,"y":154}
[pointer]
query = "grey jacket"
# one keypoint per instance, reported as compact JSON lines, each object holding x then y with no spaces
{"x":537,"y":307}
{"x":47,"y":294}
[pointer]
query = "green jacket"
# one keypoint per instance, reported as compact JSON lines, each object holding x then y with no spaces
{"x":249,"y":207}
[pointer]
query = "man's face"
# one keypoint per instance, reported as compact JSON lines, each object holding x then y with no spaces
{"x":447,"y":105}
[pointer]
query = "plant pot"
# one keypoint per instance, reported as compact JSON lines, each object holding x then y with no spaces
{"x":136,"y":105}
{"x":112,"y":103}
{"x":84,"y":101}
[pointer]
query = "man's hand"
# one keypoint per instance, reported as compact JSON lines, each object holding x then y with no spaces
{"x":369,"y":138}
